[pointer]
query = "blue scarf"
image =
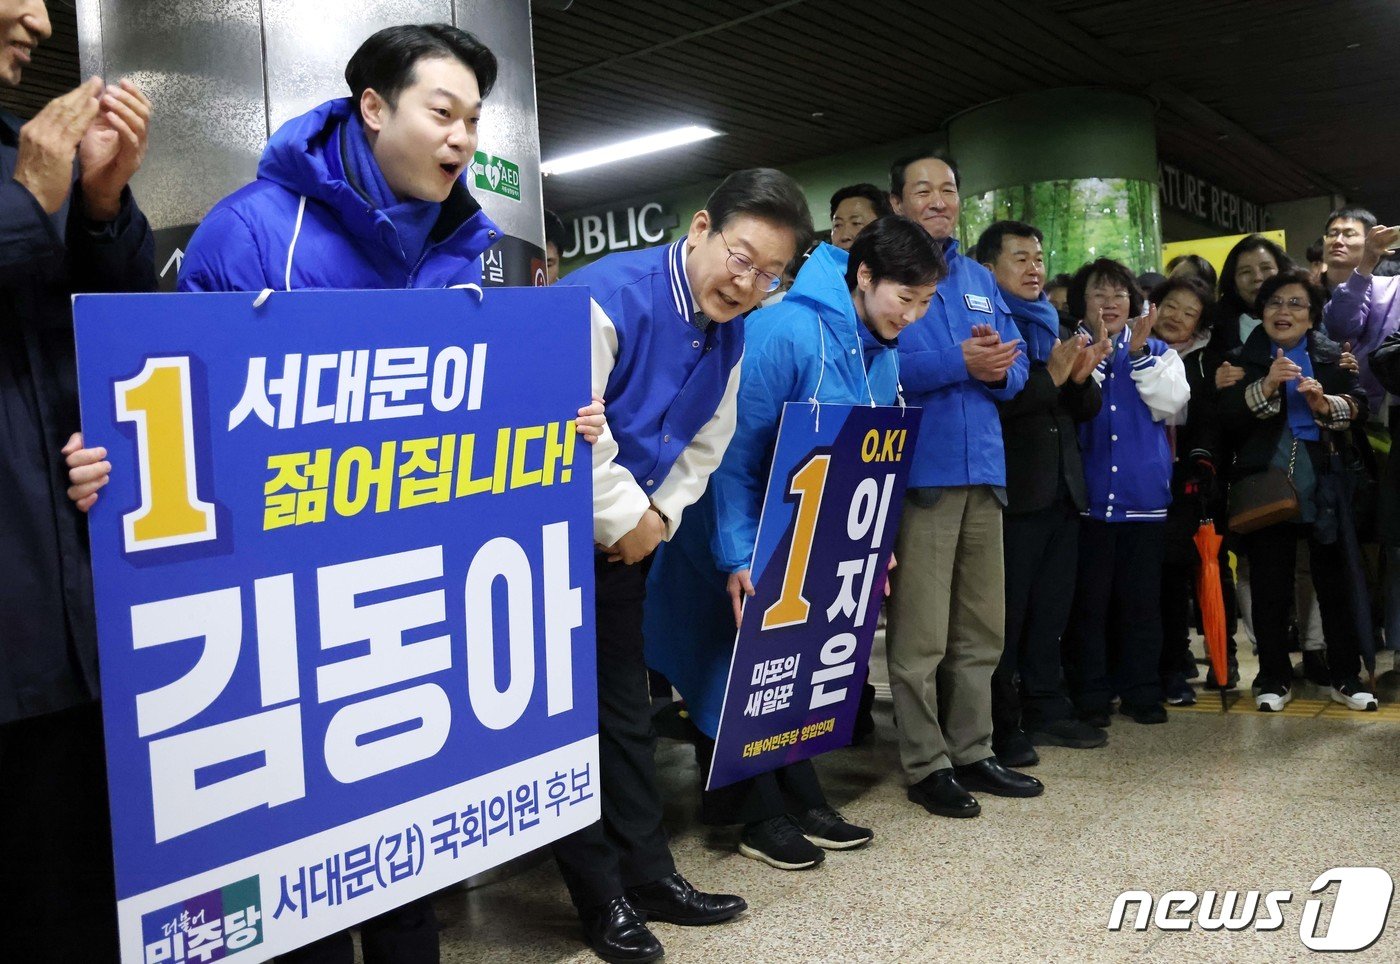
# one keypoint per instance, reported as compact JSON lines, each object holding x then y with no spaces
{"x":412,"y":219}
{"x":1039,"y":324}
{"x":1300,"y":416}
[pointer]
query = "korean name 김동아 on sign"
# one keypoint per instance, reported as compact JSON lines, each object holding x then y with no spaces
{"x":342,"y":574}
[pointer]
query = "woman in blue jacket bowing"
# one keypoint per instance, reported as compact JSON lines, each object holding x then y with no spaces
{"x":830,"y":341}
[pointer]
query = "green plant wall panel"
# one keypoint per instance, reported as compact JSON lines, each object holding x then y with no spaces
{"x":1082,"y":220}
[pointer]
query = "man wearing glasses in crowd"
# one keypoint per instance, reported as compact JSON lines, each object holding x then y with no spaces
{"x":667,"y":338}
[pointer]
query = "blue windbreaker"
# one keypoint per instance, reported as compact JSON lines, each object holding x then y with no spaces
{"x":299,"y":225}
{"x":960,"y":435}
{"x":809,"y":346}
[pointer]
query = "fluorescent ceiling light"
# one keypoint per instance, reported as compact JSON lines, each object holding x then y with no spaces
{"x":623,"y":150}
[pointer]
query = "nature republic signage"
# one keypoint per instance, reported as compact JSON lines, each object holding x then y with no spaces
{"x":1198,"y":198}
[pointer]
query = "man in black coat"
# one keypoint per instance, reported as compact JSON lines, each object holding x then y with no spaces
{"x":1044,"y":496}
{"x":68,"y":224}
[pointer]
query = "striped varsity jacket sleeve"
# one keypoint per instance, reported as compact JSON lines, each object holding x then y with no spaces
{"x":618,"y":501}
{"x":1161,"y":383}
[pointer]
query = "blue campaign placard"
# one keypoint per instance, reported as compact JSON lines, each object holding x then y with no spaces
{"x":343,"y":578}
{"x":830,"y":515}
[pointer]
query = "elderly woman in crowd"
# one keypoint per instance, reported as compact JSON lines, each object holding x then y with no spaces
{"x":1114,"y":641}
{"x":1291,"y":411}
{"x":1185,"y":304}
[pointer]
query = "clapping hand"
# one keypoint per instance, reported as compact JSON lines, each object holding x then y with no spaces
{"x":1089,"y":359}
{"x":1064,"y":359}
{"x":1311,"y":390}
{"x":1227,"y":375}
{"x":1281,"y":371}
{"x":113,"y":148}
{"x":1142,"y":330}
{"x":986,"y":356}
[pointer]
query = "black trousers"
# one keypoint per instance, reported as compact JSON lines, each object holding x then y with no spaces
{"x":58,"y":897}
{"x":1114,"y":642}
{"x":1272,"y":553}
{"x":794,"y":789}
{"x":628,"y":846}
{"x":1041,"y":552}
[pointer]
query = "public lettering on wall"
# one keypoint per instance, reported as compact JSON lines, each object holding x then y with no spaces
{"x":1197,"y":197}
{"x":619,"y":230}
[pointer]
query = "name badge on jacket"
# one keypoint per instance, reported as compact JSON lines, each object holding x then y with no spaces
{"x":978,"y":303}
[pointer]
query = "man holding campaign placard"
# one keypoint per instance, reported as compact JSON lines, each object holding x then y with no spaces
{"x":361,"y":192}
{"x":830,"y":342}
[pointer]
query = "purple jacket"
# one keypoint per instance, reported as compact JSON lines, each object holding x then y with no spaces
{"x":1364,"y":311}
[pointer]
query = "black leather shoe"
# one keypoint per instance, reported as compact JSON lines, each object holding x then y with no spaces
{"x":673,"y":900}
{"x":989,"y":776}
{"x":617,"y":933}
{"x":940,"y":793}
{"x":1015,"y":750}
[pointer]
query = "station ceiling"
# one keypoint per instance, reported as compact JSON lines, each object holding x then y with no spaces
{"x":1272,"y":99}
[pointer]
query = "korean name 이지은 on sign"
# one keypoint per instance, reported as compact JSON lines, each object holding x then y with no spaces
{"x":830,"y":515}
{"x":343,"y":575}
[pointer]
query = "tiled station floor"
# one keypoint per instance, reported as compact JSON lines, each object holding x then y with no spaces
{"x":1210,"y":801}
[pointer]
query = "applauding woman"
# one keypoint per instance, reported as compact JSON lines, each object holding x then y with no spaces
{"x":1114,"y":640}
{"x":830,"y":341}
{"x":1289,"y":412}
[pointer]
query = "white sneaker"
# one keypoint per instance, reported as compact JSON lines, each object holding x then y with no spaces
{"x":1271,"y":698}
{"x":1353,"y":697}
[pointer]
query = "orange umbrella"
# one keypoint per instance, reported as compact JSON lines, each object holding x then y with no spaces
{"x":1212,"y":602}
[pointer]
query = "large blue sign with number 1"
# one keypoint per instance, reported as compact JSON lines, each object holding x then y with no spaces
{"x":343,"y":577}
{"x":829,"y":520}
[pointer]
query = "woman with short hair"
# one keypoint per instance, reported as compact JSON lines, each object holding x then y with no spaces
{"x":832,"y":340}
{"x":1291,"y":411}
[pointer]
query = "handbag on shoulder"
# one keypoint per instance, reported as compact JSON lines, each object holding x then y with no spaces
{"x":1265,"y":498}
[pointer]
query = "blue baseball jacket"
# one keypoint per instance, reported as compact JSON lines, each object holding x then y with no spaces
{"x":1127,"y":447}
{"x":669,"y":388}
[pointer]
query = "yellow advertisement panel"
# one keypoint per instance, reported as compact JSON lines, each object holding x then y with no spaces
{"x":1214,"y":250}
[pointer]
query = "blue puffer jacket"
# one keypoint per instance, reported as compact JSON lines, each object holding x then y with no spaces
{"x":260,"y":237}
{"x":960,"y":437}
{"x":809,"y":345}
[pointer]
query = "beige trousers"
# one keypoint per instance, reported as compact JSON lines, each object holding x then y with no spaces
{"x":946,"y":627}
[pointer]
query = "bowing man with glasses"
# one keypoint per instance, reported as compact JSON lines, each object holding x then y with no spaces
{"x":668,"y":333}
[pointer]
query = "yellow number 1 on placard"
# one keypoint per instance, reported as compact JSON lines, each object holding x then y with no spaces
{"x":808,"y":484}
{"x":171,"y":512}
